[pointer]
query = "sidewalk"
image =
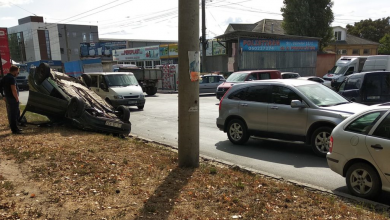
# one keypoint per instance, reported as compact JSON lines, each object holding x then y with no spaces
{"x":163,"y":91}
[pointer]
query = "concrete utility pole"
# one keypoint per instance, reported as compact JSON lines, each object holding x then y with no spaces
{"x":188,"y":90}
{"x":204,"y":42}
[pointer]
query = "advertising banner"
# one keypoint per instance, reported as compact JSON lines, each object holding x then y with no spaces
{"x":218,"y":49}
{"x":278,"y":45}
{"x":169,"y":51}
{"x":100,"y":49}
{"x":4,"y":50}
{"x":141,"y":53}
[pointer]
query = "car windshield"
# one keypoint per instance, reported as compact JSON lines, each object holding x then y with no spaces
{"x":338,"y":70}
{"x":321,"y":95}
{"x":23,"y":70}
{"x":121,"y":80}
{"x":237,"y":77}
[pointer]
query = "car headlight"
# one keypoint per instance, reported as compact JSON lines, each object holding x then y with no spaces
{"x":118,"y":96}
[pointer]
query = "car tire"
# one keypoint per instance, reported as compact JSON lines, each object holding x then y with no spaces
{"x":42,"y":72}
{"x":368,"y":186}
{"x":237,"y":132}
{"x":87,"y":79}
{"x":320,"y":140}
{"x":140,"y":107}
{"x":76,"y":107}
{"x":151,"y":90}
{"x":123,"y":113}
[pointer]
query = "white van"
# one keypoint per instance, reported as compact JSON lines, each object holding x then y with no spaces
{"x":118,"y":88}
{"x":377,"y":63}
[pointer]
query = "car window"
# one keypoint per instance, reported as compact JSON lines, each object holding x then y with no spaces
{"x":349,"y":71}
{"x":321,"y":95}
{"x":353,"y":83}
{"x":252,"y":76}
{"x":282,"y":95}
{"x":363,"y":124}
{"x":101,"y":80}
{"x":383,"y":130}
{"x":239,"y":94}
{"x":204,"y":79}
{"x":213,"y":79}
{"x":264,"y":76}
{"x":342,"y":86}
{"x":94,"y":81}
{"x":257,"y":94}
{"x":378,"y":87}
{"x":237,"y":77}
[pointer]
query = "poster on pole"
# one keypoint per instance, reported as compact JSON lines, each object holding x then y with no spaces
{"x":194,"y":64}
{"x":4,"y":51}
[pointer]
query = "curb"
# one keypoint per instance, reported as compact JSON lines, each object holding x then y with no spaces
{"x":167,"y":91}
{"x":376,"y":205}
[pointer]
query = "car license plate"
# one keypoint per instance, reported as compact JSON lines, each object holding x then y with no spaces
{"x":113,"y":124}
{"x":132,"y":102}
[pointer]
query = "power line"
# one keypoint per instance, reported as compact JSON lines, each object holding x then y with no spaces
{"x":21,"y":8}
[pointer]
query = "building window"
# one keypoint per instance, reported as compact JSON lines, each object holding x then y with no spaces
{"x":74,"y":34}
{"x":366,"y":51}
{"x":337,"y":35}
{"x":148,"y":64}
{"x":140,"y":64}
{"x":155,"y":63}
{"x":356,"y":51}
{"x":90,"y":37}
{"x":342,"y":52}
{"x":84,"y":37}
{"x":76,"y":50}
{"x":126,"y":62}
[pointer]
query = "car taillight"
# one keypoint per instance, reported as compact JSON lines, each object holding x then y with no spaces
{"x":331,"y":144}
{"x":220,"y":102}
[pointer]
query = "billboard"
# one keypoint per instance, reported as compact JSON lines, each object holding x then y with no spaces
{"x":169,"y":51}
{"x":259,"y":45}
{"x":4,"y":50}
{"x":140,"y":53}
{"x":219,"y":48}
{"x":101,"y":50}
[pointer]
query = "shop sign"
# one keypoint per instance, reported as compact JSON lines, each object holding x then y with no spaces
{"x":258,"y":45}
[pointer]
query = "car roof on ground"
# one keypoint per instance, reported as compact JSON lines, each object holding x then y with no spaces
{"x":110,"y":73}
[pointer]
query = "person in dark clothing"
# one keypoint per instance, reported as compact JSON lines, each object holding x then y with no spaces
{"x":10,"y":92}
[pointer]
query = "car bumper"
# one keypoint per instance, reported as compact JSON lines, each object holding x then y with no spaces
{"x":336,"y":162}
{"x":220,"y":124}
{"x":128,"y":102}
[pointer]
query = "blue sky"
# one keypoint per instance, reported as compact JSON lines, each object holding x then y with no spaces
{"x":157,"y":19}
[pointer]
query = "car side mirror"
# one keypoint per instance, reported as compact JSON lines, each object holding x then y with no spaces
{"x":297,"y":104}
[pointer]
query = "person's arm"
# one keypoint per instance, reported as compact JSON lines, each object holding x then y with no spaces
{"x":15,"y":92}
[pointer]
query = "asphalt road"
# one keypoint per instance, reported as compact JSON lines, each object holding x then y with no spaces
{"x":159,"y":121}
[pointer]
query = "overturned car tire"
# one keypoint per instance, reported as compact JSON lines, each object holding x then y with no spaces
{"x":87,"y":79}
{"x":124,"y":113}
{"x":42,"y":72}
{"x":76,"y":107}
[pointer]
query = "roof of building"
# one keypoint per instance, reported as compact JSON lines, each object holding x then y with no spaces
{"x":242,"y":27}
{"x":138,"y":40}
{"x":269,"y":26}
{"x":353,"y":40}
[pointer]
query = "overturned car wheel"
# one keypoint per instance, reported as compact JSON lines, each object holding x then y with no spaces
{"x":42,"y":73}
{"x":76,"y":108}
{"x":124,"y":113}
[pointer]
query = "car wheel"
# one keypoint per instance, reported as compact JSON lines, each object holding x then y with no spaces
{"x":363,"y":181}
{"x":76,"y":107}
{"x":151,"y":91}
{"x":237,"y":132}
{"x":42,"y":73}
{"x":320,"y":141}
{"x":124,"y":113}
{"x":87,"y":79}
{"x":140,"y":107}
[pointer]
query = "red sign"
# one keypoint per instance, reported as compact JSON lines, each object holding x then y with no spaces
{"x":4,"y":50}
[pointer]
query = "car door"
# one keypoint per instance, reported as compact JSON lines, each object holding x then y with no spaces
{"x":253,"y":106}
{"x":213,"y":84}
{"x":94,"y":83}
{"x":204,"y":85}
{"x":100,"y":91}
{"x":378,"y":144}
{"x":282,"y":118}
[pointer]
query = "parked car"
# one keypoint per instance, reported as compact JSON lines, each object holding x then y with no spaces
{"x":288,"y":109}
{"x":243,"y":76}
{"x":360,"y":151}
{"x":209,"y":83}
{"x":316,"y":79}
{"x":368,"y":87}
{"x":60,"y":97}
{"x":22,"y":78}
{"x":290,"y":75}
{"x":118,"y":88}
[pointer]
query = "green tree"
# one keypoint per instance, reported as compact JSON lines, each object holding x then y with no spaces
{"x":309,"y":18}
{"x":369,"y":29}
{"x":384,"y":47}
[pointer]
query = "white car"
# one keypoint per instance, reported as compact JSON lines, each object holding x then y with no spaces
{"x":359,"y":150}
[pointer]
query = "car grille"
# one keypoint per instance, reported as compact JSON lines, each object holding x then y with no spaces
{"x":131,"y":97}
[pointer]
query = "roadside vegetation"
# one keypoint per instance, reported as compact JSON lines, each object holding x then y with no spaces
{"x":63,"y":173}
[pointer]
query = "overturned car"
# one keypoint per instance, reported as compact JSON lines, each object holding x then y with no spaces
{"x":59,"y":96}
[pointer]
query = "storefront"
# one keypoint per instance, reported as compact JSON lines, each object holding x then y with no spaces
{"x":169,"y":54}
{"x":147,"y":57}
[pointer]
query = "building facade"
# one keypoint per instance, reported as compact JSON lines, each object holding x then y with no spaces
{"x":34,"y":40}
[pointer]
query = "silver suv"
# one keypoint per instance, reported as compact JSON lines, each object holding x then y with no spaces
{"x":289,"y":109}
